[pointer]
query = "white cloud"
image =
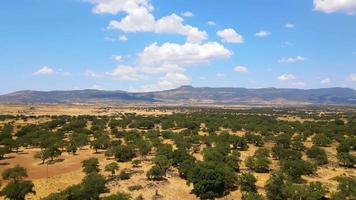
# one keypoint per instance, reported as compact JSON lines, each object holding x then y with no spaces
{"x":292,"y":59}
{"x":263,"y":34}
{"x":330,"y":6}
{"x":211,"y":23}
{"x":116,"y":6}
{"x":289,"y":25}
{"x":325,"y":81}
{"x":187,"y":54}
{"x":139,"y":18}
{"x":117,"y":58}
{"x":354,"y":53}
{"x":287,"y":77}
{"x":351,"y":77}
{"x":127,"y":73}
{"x":230,"y":36}
{"x":123,"y":38}
{"x":220,"y":75}
{"x":298,"y":84}
{"x":241,"y":69}
{"x":44,"y":71}
{"x":187,"y":14}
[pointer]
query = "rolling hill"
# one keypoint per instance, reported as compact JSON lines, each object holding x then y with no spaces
{"x":191,"y":95}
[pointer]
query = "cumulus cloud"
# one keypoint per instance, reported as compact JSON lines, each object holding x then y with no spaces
{"x":116,"y":6}
{"x":241,"y":69}
{"x":292,"y":59}
{"x":287,"y":77}
{"x":229,"y":35}
{"x":351,"y":77}
{"x":211,"y":23}
{"x":325,"y":81}
{"x":331,"y":6}
{"x":182,"y":55}
{"x":139,"y":18}
{"x":187,"y":14}
{"x":289,"y":25}
{"x":44,"y":71}
{"x":263,"y":33}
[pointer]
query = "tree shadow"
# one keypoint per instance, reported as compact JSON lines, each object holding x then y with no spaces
{"x":4,"y":164}
{"x":52,"y":162}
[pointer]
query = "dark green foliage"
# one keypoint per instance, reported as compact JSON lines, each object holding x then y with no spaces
{"x":313,"y":191}
{"x":275,"y":186}
{"x":346,"y":159}
{"x":15,"y":174}
{"x":283,"y":140}
{"x":92,"y":185}
{"x":318,"y":154}
{"x":90,"y":165}
{"x":112,"y":167}
{"x":211,"y":179}
{"x":124,"y":153}
{"x":321,"y":140}
{"x":296,"y":168}
{"x":346,"y":189}
{"x":124,"y":175}
{"x":156,"y":173}
{"x":247,"y":182}
{"x":254,"y":139}
{"x":280,"y":153}
{"x":259,"y":162}
{"x":17,"y":190}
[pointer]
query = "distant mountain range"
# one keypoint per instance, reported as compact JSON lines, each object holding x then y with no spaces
{"x":191,"y":95}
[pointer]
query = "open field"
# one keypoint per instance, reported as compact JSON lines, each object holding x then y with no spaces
{"x":197,"y":131}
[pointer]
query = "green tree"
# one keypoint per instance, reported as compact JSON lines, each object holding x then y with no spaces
{"x":112,"y":167}
{"x":43,"y":155}
{"x":17,"y":188}
{"x":318,"y":154}
{"x":296,"y":168}
{"x":90,"y":165}
{"x":211,"y":179}
{"x":275,"y":186}
{"x":247,"y":182}
{"x":156,"y":173}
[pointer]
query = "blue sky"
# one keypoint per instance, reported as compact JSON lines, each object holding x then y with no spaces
{"x":143,"y":45}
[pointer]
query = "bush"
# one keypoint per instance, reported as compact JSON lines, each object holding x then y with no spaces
{"x":247,"y":182}
{"x":156,"y":173}
{"x":124,"y":175}
{"x":296,"y":168}
{"x":321,"y":140}
{"x":318,"y":154}
{"x":275,"y":187}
